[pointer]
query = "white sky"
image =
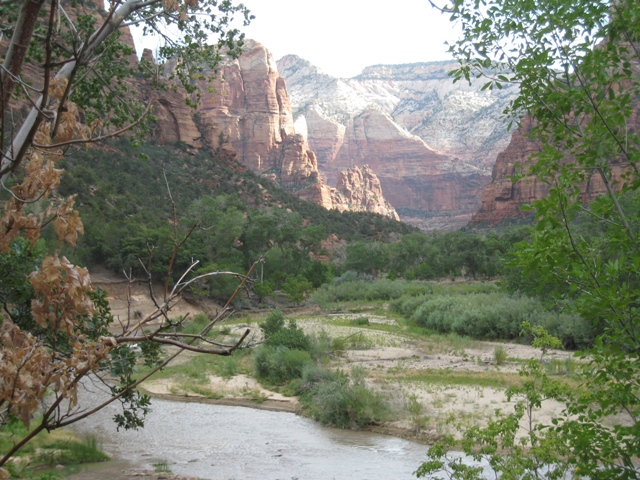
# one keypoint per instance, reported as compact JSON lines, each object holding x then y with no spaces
{"x":341,"y":37}
{"x":344,"y":36}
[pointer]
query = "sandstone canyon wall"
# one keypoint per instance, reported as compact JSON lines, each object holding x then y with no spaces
{"x":245,"y":110}
{"x":359,"y":189}
{"x":430,"y":142}
{"x":502,"y":198}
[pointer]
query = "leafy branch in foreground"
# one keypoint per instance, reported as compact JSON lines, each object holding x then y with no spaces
{"x":576,"y":64}
{"x":56,"y":332}
{"x":63,"y":335}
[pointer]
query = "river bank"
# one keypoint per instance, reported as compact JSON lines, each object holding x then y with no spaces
{"x":449,"y":381}
{"x":434,"y":385}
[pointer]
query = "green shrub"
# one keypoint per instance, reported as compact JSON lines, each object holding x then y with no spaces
{"x":291,"y":337}
{"x":263,"y":289}
{"x":195,"y":325}
{"x":74,"y":452}
{"x":407,"y":304}
{"x":361,"y":321}
{"x":352,"y":276}
{"x":335,"y":400}
{"x":314,"y":375}
{"x":320,"y":346}
{"x":499,"y":355}
{"x":229,"y":367}
{"x":341,"y":290}
{"x":358,"y":341}
{"x":297,"y":288}
{"x":492,"y":315}
{"x":279,"y":365}
{"x":415,"y":409}
{"x":273,"y":323}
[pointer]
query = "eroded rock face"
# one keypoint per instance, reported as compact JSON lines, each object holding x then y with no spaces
{"x":358,"y":189}
{"x":430,"y":142}
{"x":502,"y":199}
{"x":245,"y":114}
{"x":294,"y":167}
{"x":326,"y":141}
{"x":246,"y":109}
{"x":249,"y":107}
{"x":416,"y":179}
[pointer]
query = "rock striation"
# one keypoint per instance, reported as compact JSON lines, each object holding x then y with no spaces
{"x":502,"y":199}
{"x":430,"y":142}
{"x":245,"y":109}
{"x":358,"y":189}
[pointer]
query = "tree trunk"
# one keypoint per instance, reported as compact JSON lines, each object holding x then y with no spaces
{"x":18,"y":47}
{"x":24,"y":137}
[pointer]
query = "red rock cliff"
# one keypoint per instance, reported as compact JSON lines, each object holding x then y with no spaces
{"x":358,"y":189}
{"x":416,"y":179}
{"x":246,"y":112}
{"x":502,"y":199}
{"x":246,"y":109}
{"x":430,"y":142}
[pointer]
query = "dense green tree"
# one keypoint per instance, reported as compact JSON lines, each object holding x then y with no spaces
{"x":220,"y":223}
{"x":318,"y":273}
{"x":263,"y":289}
{"x":369,"y":258}
{"x":297,"y":288}
{"x":412,"y":250}
{"x":259,"y":234}
{"x":576,"y":64}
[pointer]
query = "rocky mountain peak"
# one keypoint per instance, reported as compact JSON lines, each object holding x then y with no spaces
{"x":408,"y":71}
{"x":247,"y":112}
{"x":291,"y":66}
{"x":430,"y":142}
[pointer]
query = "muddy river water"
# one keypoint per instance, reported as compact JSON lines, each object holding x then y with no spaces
{"x":224,"y":442}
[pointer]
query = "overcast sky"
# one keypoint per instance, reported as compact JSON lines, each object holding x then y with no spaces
{"x":341,"y":37}
{"x":344,"y":36}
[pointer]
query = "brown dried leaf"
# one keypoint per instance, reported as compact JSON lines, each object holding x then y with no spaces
{"x":57,"y":86}
{"x":170,"y":5}
{"x":68,"y":224}
{"x":60,"y":291}
{"x":16,"y":221}
{"x":24,"y":367}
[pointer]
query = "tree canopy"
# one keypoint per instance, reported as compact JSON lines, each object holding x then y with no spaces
{"x":65,"y":82}
{"x":576,"y":64}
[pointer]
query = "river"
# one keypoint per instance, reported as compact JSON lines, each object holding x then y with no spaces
{"x":223,"y":442}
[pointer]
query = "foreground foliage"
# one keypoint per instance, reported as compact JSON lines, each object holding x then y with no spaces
{"x":54,"y":330}
{"x":576,"y":64}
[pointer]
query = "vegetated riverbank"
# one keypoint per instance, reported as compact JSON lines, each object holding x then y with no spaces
{"x":432,"y":384}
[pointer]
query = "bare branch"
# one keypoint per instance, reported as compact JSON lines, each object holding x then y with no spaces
{"x":96,"y":139}
{"x":186,"y":346}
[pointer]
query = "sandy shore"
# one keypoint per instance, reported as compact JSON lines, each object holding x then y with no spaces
{"x":400,"y":366}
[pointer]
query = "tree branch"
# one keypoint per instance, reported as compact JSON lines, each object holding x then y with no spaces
{"x":96,"y":139}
